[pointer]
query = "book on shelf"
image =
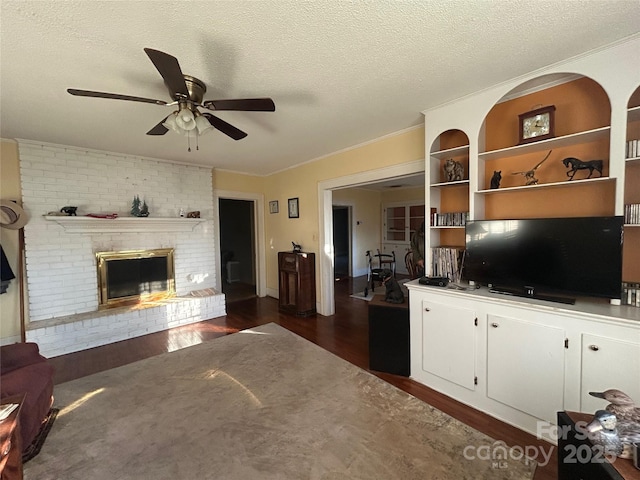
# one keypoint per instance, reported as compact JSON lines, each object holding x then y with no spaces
{"x":633,"y":148}
{"x":447,"y":262}
{"x":453,"y":219}
{"x":632,"y":213}
{"x":631,"y":294}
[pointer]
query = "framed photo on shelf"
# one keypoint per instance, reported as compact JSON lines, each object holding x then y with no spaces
{"x":273,"y":206}
{"x":294,"y":211}
{"x":537,"y":125}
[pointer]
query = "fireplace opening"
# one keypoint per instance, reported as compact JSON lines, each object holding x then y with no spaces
{"x":129,"y":276}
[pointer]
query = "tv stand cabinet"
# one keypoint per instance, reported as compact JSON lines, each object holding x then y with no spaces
{"x":522,"y":360}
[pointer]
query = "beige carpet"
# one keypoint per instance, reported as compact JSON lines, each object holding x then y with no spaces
{"x":259,"y":404}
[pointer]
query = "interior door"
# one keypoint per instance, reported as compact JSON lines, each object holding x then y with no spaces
{"x":341,"y":241}
{"x":237,"y":247}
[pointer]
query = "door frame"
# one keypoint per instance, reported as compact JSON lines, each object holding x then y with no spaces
{"x":326,"y":301}
{"x":258,"y":227}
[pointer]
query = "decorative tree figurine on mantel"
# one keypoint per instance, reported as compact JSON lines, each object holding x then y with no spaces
{"x":144,"y":211}
{"x":138,"y":208}
{"x":135,"y":206}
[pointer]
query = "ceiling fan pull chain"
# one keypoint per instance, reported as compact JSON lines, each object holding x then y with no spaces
{"x":189,"y":142}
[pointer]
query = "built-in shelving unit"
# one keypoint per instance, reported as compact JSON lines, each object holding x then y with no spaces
{"x":631,"y":196}
{"x":563,"y":184}
{"x":563,"y":141}
{"x":447,"y":197}
{"x":449,"y":184}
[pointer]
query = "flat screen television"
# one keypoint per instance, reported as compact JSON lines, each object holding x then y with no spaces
{"x":548,"y":258}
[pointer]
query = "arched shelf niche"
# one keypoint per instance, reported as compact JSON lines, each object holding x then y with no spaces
{"x":631,"y":246}
{"x":448,"y":189}
{"x":580,"y":128}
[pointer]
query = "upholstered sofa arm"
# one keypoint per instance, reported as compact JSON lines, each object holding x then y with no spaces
{"x":18,"y":355}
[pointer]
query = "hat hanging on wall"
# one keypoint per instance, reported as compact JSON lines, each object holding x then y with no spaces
{"x":12,"y":215}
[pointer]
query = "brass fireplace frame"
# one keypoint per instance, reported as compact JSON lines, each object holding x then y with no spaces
{"x":101,"y":262}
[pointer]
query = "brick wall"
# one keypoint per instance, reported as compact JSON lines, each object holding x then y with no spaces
{"x":61,"y":266}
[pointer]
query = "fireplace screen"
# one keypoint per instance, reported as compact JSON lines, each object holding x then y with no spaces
{"x":132,"y":275}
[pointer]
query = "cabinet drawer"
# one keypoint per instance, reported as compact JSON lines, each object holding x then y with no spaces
{"x":289,"y":262}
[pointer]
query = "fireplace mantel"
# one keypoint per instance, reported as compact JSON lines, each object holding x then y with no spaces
{"x":72,"y":224}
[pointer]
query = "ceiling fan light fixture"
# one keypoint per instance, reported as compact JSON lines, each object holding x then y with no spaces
{"x":185,"y":119}
{"x":202,"y":124}
{"x":171,"y":124}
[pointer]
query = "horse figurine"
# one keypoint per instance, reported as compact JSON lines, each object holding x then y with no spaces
{"x":577,"y":164}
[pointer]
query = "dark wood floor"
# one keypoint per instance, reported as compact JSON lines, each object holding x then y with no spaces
{"x":344,"y":334}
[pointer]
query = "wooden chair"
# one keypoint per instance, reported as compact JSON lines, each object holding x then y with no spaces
{"x":386,"y":265}
{"x":411,"y":267}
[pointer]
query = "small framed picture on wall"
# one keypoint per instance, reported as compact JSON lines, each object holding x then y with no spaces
{"x":294,"y":211}
{"x":273,"y":206}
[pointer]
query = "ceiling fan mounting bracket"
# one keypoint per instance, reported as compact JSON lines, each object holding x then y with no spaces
{"x":196,"y":89}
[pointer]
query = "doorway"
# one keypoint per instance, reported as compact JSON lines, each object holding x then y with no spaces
{"x":326,"y":301}
{"x":237,"y":248}
{"x":341,"y":242}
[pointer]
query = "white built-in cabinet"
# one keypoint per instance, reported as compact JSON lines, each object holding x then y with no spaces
{"x":607,"y":360}
{"x":522,"y":360}
{"x":449,"y":345}
{"x":513,"y":346}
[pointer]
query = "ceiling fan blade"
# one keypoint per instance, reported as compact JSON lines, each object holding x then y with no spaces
{"x":170,"y":70}
{"x":114,"y":96}
{"x":225,"y":127}
{"x":242,"y":104}
{"x":159,"y":129}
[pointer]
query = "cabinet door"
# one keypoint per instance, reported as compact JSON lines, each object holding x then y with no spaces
{"x":395,"y":224}
{"x":448,"y":342}
{"x":525,"y":366}
{"x":608,"y":363}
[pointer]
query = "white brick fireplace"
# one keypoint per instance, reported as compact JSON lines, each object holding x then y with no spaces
{"x":60,"y":255}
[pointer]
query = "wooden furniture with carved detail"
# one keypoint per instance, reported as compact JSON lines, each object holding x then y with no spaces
{"x":11,"y":441}
{"x":297,"y":283}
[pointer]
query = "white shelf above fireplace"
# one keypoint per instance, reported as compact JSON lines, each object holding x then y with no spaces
{"x":124,"y":224}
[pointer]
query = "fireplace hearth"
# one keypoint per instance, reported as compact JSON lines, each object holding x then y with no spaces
{"x":130,"y":276}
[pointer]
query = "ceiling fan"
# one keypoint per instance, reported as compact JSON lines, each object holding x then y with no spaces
{"x":187,"y":93}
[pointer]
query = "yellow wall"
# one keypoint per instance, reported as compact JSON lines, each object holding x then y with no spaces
{"x":366,"y":221}
{"x":302,"y":182}
{"x":235,"y":182}
{"x":413,"y":194}
{"x":10,"y":190}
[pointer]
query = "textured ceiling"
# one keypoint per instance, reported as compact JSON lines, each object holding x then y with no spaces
{"x":341,"y":73}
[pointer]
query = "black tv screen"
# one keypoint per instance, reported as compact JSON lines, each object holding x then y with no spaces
{"x":566,"y":256}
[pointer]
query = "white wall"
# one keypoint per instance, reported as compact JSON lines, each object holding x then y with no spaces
{"x":61,"y":266}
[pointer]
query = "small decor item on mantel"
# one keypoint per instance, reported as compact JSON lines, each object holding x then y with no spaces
{"x":194,"y":214}
{"x":144,"y":210}
{"x":496,"y":178}
{"x":574,"y":164}
{"x":70,"y":211}
{"x":139,"y":209}
{"x":453,"y":170}
{"x":537,"y":124}
{"x":296,"y":248}
{"x":530,"y":175}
